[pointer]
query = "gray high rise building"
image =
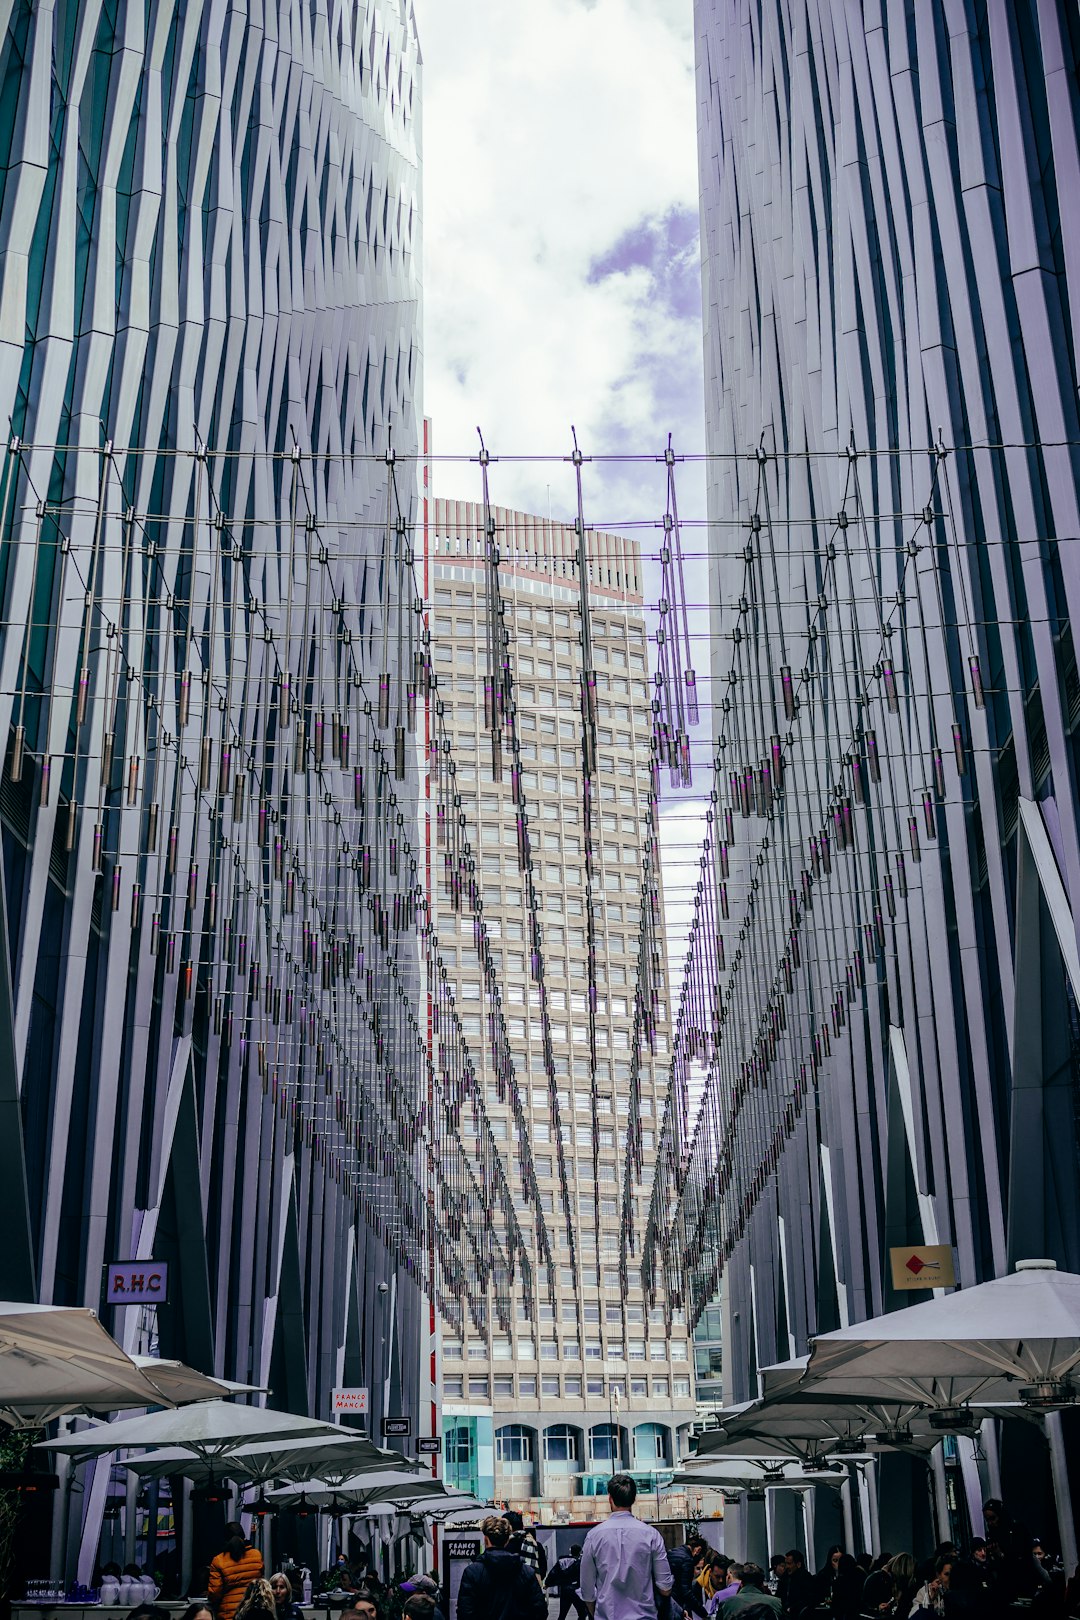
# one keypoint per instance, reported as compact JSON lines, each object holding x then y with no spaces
{"x":209,"y":374}
{"x":541,"y":1408}
{"x":891,"y":255}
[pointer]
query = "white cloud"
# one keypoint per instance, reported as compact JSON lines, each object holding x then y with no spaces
{"x":560,"y":240}
{"x":561,"y":279}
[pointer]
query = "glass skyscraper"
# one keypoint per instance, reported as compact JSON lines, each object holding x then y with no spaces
{"x":209,"y":377}
{"x":891,"y":262}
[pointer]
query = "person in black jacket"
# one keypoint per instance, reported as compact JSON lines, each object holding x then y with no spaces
{"x":565,"y":1576}
{"x":497,"y":1586}
{"x":684,"y":1568}
{"x":796,"y":1586}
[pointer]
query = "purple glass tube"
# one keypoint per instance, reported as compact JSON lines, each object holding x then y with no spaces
{"x":888,"y":677}
{"x":958,"y":750}
{"x":977,"y":691}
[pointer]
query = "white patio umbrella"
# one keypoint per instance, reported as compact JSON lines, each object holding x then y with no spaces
{"x":455,"y":1510}
{"x":806,"y":1422}
{"x":179,"y":1383}
{"x":59,"y":1359}
{"x":754,"y":1473}
{"x":1017,"y":1337}
{"x":391,"y":1486}
{"x":209,"y":1430}
{"x":328,"y":1457}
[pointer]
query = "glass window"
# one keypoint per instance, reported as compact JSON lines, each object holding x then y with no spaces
{"x":459,"y":1451}
{"x":680,"y":1387}
{"x":479,"y":1387}
{"x":603,"y":1443}
{"x":572,"y":1385}
{"x":513,"y":1444}
{"x":504,"y":1386}
{"x":549,"y":1384}
{"x":650,"y":1443}
{"x":678,"y":1349}
{"x":639,"y":1386}
{"x":594,"y":1386}
{"x":661,"y":1387}
{"x":453,"y":1388}
{"x":452,"y":1349}
{"x":527,"y":1384}
{"x":560,"y":1443}
{"x":549,"y":1349}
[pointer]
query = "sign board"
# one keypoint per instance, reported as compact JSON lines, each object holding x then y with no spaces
{"x":429,"y":1448}
{"x":349,"y":1400}
{"x":925,"y":1266}
{"x":457,"y":1548}
{"x":137,"y":1282}
{"x":400,"y":1427}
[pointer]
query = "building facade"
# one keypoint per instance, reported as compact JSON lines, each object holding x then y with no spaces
{"x":542,"y":1408}
{"x":892,"y":308}
{"x":209,"y":361}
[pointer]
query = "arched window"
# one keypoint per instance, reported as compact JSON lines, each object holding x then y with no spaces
{"x":561,"y":1445}
{"x":514,"y":1445}
{"x":650,"y":1443}
{"x":604,"y":1443}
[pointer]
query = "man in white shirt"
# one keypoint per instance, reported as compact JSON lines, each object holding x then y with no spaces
{"x":624,"y":1565}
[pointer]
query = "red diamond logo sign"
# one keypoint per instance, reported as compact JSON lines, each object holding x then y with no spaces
{"x":915,"y":1265}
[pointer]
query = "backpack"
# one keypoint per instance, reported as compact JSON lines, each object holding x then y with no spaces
{"x":567,"y":1572}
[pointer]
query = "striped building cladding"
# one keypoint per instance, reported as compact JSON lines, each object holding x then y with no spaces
{"x":209,"y":301}
{"x":891,"y":256}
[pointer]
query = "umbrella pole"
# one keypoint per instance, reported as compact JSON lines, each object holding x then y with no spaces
{"x":61,"y":1519}
{"x":993,"y":1455}
{"x":1059,"y":1467}
{"x":131,"y":1519}
{"x":845,"y":1508}
{"x":187,"y":1537}
{"x":941,"y":1499}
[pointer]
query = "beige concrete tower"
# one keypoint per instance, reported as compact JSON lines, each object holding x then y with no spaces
{"x":542,"y":1415}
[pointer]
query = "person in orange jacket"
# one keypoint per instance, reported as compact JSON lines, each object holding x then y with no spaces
{"x":232,"y":1572}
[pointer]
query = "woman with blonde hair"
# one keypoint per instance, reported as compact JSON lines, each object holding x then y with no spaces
{"x":905,"y":1584}
{"x":258,"y":1603}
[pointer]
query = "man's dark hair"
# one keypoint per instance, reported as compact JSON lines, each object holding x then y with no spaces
{"x":514,"y":1519}
{"x":796,"y":1556}
{"x":575,"y":1550}
{"x":777,"y":1558}
{"x":420,"y":1606}
{"x":752,"y":1575}
{"x":623,"y":1490}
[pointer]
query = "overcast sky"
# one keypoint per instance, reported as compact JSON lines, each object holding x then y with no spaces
{"x":561,"y":272}
{"x":561,"y":240}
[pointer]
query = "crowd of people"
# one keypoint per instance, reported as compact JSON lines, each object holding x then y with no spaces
{"x":236,"y":1588}
{"x":1003,"y":1569}
{"x":623,"y":1571}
